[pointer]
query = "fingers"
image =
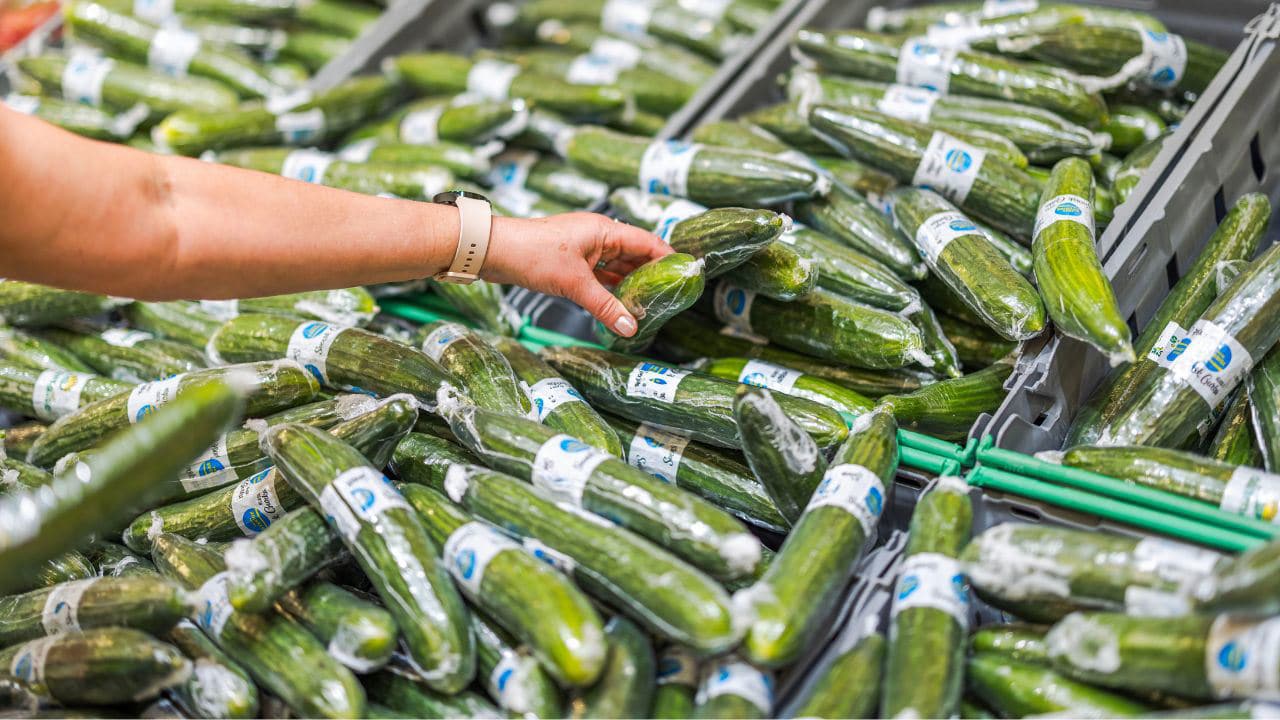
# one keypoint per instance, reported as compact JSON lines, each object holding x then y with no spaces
{"x":606,"y":308}
{"x":609,"y":278}
{"x":629,"y":243}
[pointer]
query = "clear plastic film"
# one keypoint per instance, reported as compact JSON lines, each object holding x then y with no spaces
{"x":141,"y":601}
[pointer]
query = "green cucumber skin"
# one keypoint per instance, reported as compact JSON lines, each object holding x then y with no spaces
{"x":19,"y":438}
{"x":778,"y":451}
{"x":1103,"y":51}
{"x":418,"y":591}
{"x":976,"y":346}
{"x":823,"y":392}
{"x":485,"y":373}
{"x":143,"y":602}
{"x":1263,"y":387}
{"x":115,"y":560}
{"x":1235,"y":442}
{"x":359,"y":633}
{"x":672,"y":701}
{"x":105,"y":666}
{"x":483,"y":304}
{"x":669,"y":24}
{"x":1016,"y":689}
{"x":123,"y":472}
{"x":464,"y":162}
{"x":801,"y":586}
{"x":943,"y":300}
{"x":703,"y":404}
{"x":343,"y":306}
{"x":1131,"y":126}
{"x":425,"y":459}
{"x":849,"y":219}
{"x":218,"y":686}
{"x":523,"y":688}
{"x":1244,"y":584}
{"x":1134,"y":165}
{"x":341,"y":17}
{"x":281,"y":655}
{"x":1023,"y":643}
{"x":683,"y":523}
{"x":946,"y":359}
{"x":850,"y":685}
{"x":975,"y":270}
{"x":779,"y":272}
{"x":613,"y":564}
{"x":25,"y":304}
{"x":128,"y":84}
{"x":726,"y":237}
{"x":293,"y":549}
{"x":17,"y":475}
{"x":1176,"y":471}
{"x":625,"y":688}
{"x":180,"y":320}
{"x":69,"y":566}
{"x":740,"y":134}
{"x":470,"y":123}
{"x":653,"y":91}
{"x":17,"y":383}
{"x":148,"y":360}
{"x":34,"y":352}
{"x":80,"y":119}
{"x":786,"y":120}
{"x":653,"y":293}
{"x":414,"y":699}
{"x":948,"y":408}
{"x":1163,"y":654}
{"x":528,"y":598}
{"x":414,"y":182}
{"x":1236,"y":239}
{"x":940,"y":524}
{"x":852,"y":274}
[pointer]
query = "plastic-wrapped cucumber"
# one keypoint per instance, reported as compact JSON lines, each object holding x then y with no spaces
{"x":625,"y":688}
{"x":19,"y":438}
{"x":1160,"y":60}
{"x":80,"y":119}
{"x":960,"y":254}
{"x":918,"y":62}
{"x":653,"y":293}
{"x":143,"y":602}
{"x":1018,"y":641}
{"x":132,"y":356}
{"x":665,"y":594}
{"x":463,"y":119}
{"x":1234,"y":442}
{"x":1263,"y":388}
{"x":850,"y":273}
{"x":850,"y":219}
{"x":976,"y":346}
{"x":695,"y":402}
{"x":1243,"y":584}
{"x":358,"y":632}
{"x":731,"y":688}
{"x":790,"y":122}
{"x":181,"y":320}
{"x":1135,"y":164}
{"x":413,"y":698}
{"x":461,"y":160}
{"x":958,"y":13}
{"x":67,"y":567}
{"x":217,"y":687}
{"x":281,"y":655}
{"x":51,"y":394}
{"x":1131,"y":126}
{"x":779,"y":272}
{"x":764,"y":374}
{"x":518,"y":171}
{"x":577,"y":474}
{"x":522,"y":594}
{"x":118,"y":85}
{"x":654,"y":91}
{"x":948,"y":408}
{"x":96,"y":667}
{"x":29,"y":304}
{"x":745,"y":135}
{"x":930,"y":616}
{"x":588,"y":37}
{"x":979,"y":184}
{"x":677,"y":679}
{"x":670,"y":22}
{"x":1016,"y":689}
{"x":114,"y":560}
{"x":415,"y":182}
{"x":313,"y":119}
{"x":486,"y":376}
{"x":33,"y":351}
{"x":388,"y":540}
{"x":16,"y":475}
{"x":1078,"y":295}
{"x":778,"y":450}
{"x":946,"y":362}
{"x":337,"y":16}
{"x":850,"y":686}
{"x":294,"y":548}
{"x":344,"y":306}
{"x":274,"y":386}
{"x":800,"y":588}
{"x":1233,"y":243}
{"x":483,"y":304}
{"x":709,"y":175}
{"x":514,"y":678}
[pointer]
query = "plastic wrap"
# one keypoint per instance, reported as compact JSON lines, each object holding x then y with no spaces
{"x":294,"y":548}
{"x":948,"y":408}
{"x":653,"y":293}
{"x":483,"y":304}
{"x":851,"y":274}
{"x":1015,"y":688}
{"x":1130,"y":172}
{"x":848,"y":218}
{"x":23,"y":303}
{"x":780,"y":453}
{"x":51,"y":394}
{"x":514,"y":679}
{"x":217,"y":686}
{"x":626,"y":686}
{"x":688,"y":27}
{"x":132,"y":356}
{"x":105,"y":666}
{"x":779,"y":378}
{"x":400,"y":693}
{"x":485,"y":374}
{"x":405,"y":180}
{"x":1234,"y":442}
{"x":142,"y":602}
{"x":1243,"y":584}
{"x":357,"y":632}
{"x":731,"y":688}
{"x":469,"y":120}
{"x":27,"y":350}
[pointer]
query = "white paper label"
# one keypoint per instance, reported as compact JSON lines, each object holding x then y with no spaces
{"x":1147,"y":602}
{"x":664,"y":167}
{"x":491,"y":79}
{"x":124,"y":337}
{"x":1254,"y":493}
{"x":563,"y":465}
{"x":1003,"y":8}
{"x":761,"y":374}
{"x":657,"y":452}
{"x":550,"y":556}
{"x":213,"y":607}
{"x":550,"y":393}
{"x":469,"y":549}
{"x":309,"y":346}
{"x":1171,"y":343}
{"x":907,"y":102}
{"x":147,"y":397}
{"x":422,"y":127}
{"x":673,"y":214}
{"x":654,"y":381}
{"x":621,"y":53}
{"x":506,"y":679}
{"x":254,"y":503}
{"x":83,"y":77}
{"x":629,"y":18}
{"x":739,"y":333}
{"x":57,"y":393}
{"x":25,"y":104}
{"x":171,"y":50}
{"x":211,"y":468}
{"x":854,"y":489}
{"x":511,"y":169}
{"x":1167,"y":58}
{"x":306,"y":165}
{"x":284,"y":102}
{"x":713,"y":9}
{"x":221,"y":309}
{"x":1213,"y":363}
{"x":924,"y":64}
{"x":62,"y":606}
{"x":358,"y":151}
{"x":955,"y":36}
{"x":677,"y":666}
{"x":441,"y":339}
{"x":733,"y":306}
{"x":949,"y":167}
{"x":155,"y":11}
{"x":28,"y":662}
{"x":935,"y":581}
{"x":300,"y":128}
{"x":935,"y":233}
{"x":1242,"y":658}
{"x":730,"y":677}
{"x":359,"y":494}
{"x":1065,"y":208}
{"x":591,"y":69}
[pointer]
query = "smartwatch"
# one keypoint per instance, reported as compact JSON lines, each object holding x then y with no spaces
{"x":475,"y":220}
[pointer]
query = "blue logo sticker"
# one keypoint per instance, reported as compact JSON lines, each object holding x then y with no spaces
{"x":466,"y":562}
{"x":144,"y":411}
{"x":1068,"y":209}
{"x":962,"y":226}
{"x":875,"y":501}
{"x":364,"y":497}
{"x":503,"y":677}
{"x":669,"y":666}
{"x":1178,"y":347}
{"x":311,"y":330}
{"x":571,"y":445}
{"x":208,"y":467}
{"x":958,"y":160}
{"x":736,"y":299}
{"x":1220,"y":360}
{"x":756,"y":379}
{"x":255,"y":520}
{"x":908,"y":585}
{"x":1232,"y":657}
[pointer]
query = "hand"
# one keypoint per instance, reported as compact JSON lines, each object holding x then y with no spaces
{"x":573,"y":256}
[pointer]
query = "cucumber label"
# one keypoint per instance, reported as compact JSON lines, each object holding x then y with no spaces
{"x":1166,"y":56}
{"x":854,"y":489}
{"x":761,"y":374}
{"x":1065,"y":208}
{"x":548,"y":555}
{"x":713,"y":9}
{"x":621,"y":53}
{"x":124,"y":337}
{"x":1253,"y":493}
{"x":548,"y":394}
{"x":147,"y":397}
{"x":739,"y":333}
{"x":1004,"y":8}
{"x":57,"y":393}
{"x":306,"y":165}
{"x":734,"y":677}
{"x":28,"y":663}
{"x":172,"y":49}
{"x":360,"y":150}
{"x":422,"y":127}
{"x":299,"y":128}
{"x":1242,"y":657}
{"x":62,"y":607}
{"x":677,"y":666}
{"x":84,"y":75}
{"x":441,"y":339}
{"x":589,"y":69}
{"x":1211,"y":361}
{"x":511,"y":169}
{"x":935,"y":581}
{"x":359,"y":494}
{"x":221,"y":309}
{"x":629,"y":18}
{"x":254,"y":503}
{"x":907,"y":102}
{"x":654,"y":381}
{"x":309,"y":346}
{"x":949,"y":167}
{"x":210,"y":469}
{"x":509,"y":680}
{"x":673,"y":214}
{"x":733,"y":306}
{"x":213,"y":606}
{"x":935,"y":233}
{"x":469,"y":549}
{"x":924,"y":64}
{"x":25,"y":104}
{"x":563,"y":465}
{"x":155,"y":11}
{"x":657,"y":452}
{"x":664,"y":167}
{"x":1171,"y":343}
{"x":491,"y":79}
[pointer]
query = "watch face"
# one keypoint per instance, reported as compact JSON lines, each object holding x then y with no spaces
{"x":451,"y":197}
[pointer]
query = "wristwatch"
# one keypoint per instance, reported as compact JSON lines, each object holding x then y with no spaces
{"x":475,"y":220}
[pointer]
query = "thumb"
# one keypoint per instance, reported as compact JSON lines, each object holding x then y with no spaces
{"x":605,"y":307}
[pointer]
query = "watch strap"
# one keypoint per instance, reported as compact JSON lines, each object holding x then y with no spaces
{"x":475,"y":221}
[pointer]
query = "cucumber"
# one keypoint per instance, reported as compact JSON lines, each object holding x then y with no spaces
{"x":771,"y":376}
{"x":424,"y":459}
{"x":1235,"y":240}
{"x":29,"y":304}
{"x":1076,"y":291}
{"x":856,"y":176}
{"x":274,"y":386}
{"x":463,"y":161}
{"x":1234,"y":441}
{"x":851,"y":220}
{"x":575,"y":473}
{"x":790,"y":122}
{"x":414,"y":182}
{"x":942,"y":299}
{"x":217,"y":686}
{"x":625,"y":688}
{"x":1017,"y":641}
{"x":124,"y":85}
{"x":677,"y":62}
{"x":930,"y":616}
{"x":379,"y":528}
{"x":676,"y":678}
{"x":181,"y":320}
{"x":1131,"y":126}
{"x":653,"y":293}
{"x":1016,"y":689}
{"x":517,"y":170}
{"x":1134,"y":165}
{"x":19,"y":438}
{"x":359,"y":633}
{"x":713,"y":176}
{"x":525,"y":596}
{"x":144,"y":602}
{"x":886,"y":58}
{"x":96,"y":667}
{"x":80,"y":119}
{"x":949,"y":408}
{"x":1263,"y":387}
{"x":257,"y":41}
{"x":132,"y":356}
{"x":1243,"y":584}
{"x":778,"y":450}
{"x":32,"y":351}
{"x":1017,"y":564}
{"x":652,"y":91}
{"x":800,"y":589}
{"x":741,"y":134}
{"x":483,"y":304}
{"x":672,"y":23}
{"x":850,"y":686}
{"x":337,"y":16}
{"x":976,"y":346}
{"x":101,"y":491}
{"x":981,"y":185}
{"x":960,"y":254}
{"x":51,"y":394}
{"x":485,"y":373}
{"x":852,"y":274}
{"x":293,"y":549}
{"x":342,"y":357}
{"x":414,"y":698}
{"x":697,"y":403}
{"x":281,"y":656}
{"x":512,"y":677}
{"x":779,"y":272}
{"x":16,"y":475}
{"x":466,"y":119}
{"x":608,"y":561}
{"x":1159,"y":60}
{"x":730,"y":688}
{"x":117,"y":561}
{"x":67,"y":567}
{"x":946,"y":360}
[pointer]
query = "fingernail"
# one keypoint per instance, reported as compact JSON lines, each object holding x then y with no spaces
{"x":625,"y":326}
